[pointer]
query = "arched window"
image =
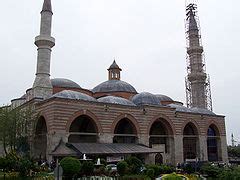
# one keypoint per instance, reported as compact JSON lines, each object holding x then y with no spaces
{"x":190,"y":140}
{"x":212,"y":143}
{"x":125,"y":132}
{"x":160,"y":132}
{"x":40,"y":139}
{"x":83,"y":130}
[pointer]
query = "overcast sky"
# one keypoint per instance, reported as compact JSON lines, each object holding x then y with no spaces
{"x":146,"y":37}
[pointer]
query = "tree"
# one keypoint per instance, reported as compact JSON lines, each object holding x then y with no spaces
{"x":16,"y":125}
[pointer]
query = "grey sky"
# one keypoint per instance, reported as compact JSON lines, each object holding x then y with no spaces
{"x":146,"y":37}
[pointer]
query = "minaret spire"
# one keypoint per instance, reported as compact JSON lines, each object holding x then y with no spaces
{"x":197,"y":83}
{"x":47,"y":6}
{"x":42,"y":87}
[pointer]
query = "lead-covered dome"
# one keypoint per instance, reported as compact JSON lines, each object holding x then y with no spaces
{"x":114,"y":86}
{"x":116,"y":100}
{"x":68,"y":94}
{"x":64,"y":83}
{"x":145,"y":98}
{"x":162,"y":97}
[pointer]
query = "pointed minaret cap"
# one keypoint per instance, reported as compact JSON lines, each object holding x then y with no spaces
{"x":192,"y":21}
{"x":47,"y":6}
{"x":114,"y":66}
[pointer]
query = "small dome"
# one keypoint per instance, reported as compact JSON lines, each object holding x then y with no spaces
{"x":68,"y":94}
{"x":202,"y":111}
{"x":114,"y":86}
{"x":180,"y":108}
{"x":116,"y":100}
{"x":145,"y":98}
{"x":162,"y":97}
{"x":64,"y":83}
{"x":114,"y":66}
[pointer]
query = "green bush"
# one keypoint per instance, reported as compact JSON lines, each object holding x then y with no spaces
{"x":24,"y":166}
{"x":210,"y":170}
{"x":87,"y":168}
{"x":156,"y":168}
{"x":3,"y":163}
{"x":150,"y":173}
{"x":229,"y":174}
{"x":122,"y":168}
{"x":166,"y":169}
{"x":134,"y":165}
{"x":189,"y":169}
{"x":70,"y":165}
{"x":172,"y":176}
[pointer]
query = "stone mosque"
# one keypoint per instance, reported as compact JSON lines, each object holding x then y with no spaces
{"x":113,"y":120}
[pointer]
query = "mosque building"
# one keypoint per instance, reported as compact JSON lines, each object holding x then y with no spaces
{"x":113,"y":120}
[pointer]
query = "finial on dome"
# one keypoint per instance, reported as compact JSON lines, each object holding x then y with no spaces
{"x":114,"y":71}
{"x":47,"y":6}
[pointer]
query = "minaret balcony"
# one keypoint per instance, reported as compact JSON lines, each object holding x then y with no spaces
{"x":43,"y":40}
{"x":195,"y":49}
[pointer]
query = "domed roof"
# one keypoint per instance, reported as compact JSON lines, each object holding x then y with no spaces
{"x":182,"y":108}
{"x":116,"y":100}
{"x":145,"y":98}
{"x":162,"y":97}
{"x":114,"y":66}
{"x":68,"y":94}
{"x":61,"y":82}
{"x":202,"y":111}
{"x":114,"y":86}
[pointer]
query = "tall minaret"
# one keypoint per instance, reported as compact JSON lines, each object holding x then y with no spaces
{"x":198,"y":88}
{"x":42,"y":87}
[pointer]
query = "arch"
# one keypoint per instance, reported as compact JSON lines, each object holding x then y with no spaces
{"x":40,"y":138}
{"x":86,"y":113}
{"x":43,"y":115}
{"x":125,"y":116}
{"x":215,"y":127}
{"x":213,"y":143}
{"x":158,"y":158}
{"x":190,"y":128}
{"x":190,"y":141}
{"x":166,"y":121}
{"x":194,"y":126}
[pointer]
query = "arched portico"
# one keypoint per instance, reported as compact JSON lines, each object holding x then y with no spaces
{"x":161,"y":135}
{"x":83,"y":129}
{"x":125,"y":131}
{"x":40,"y":138}
{"x":190,"y":141}
{"x":213,"y":143}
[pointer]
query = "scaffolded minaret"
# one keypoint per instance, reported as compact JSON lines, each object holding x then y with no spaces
{"x":42,"y":87}
{"x":197,"y":81}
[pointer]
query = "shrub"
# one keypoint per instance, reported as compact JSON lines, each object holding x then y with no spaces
{"x":166,"y":169}
{"x":134,"y":165}
{"x":122,"y":167}
{"x":189,"y":169}
{"x":70,"y":165}
{"x":156,"y":168}
{"x":150,"y":173}
{"x":87,"y":168}
{"x":3,"y":163}
{"x":229,"y":174}
{"x":24,"y":166}
{"x":172,"y":176}
{"x":210,"y":170}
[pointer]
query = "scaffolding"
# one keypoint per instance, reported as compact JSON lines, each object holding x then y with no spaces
{"x":191,"y":9}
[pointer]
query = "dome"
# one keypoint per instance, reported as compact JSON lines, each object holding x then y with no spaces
{"x":114,"y":86}
{"x":68,"y":94}
{"x":65,"y":83}
{"x":145,"y":98}
{"x":162,"y":97}
{"x":180,"y":108}
{"x":202,"y":111}
{"x":116,"y":100}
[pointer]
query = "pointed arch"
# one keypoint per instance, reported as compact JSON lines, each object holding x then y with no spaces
{"x":84,"y":113}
